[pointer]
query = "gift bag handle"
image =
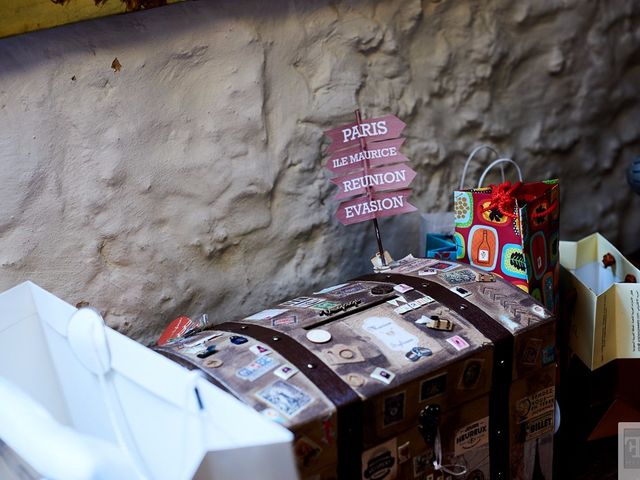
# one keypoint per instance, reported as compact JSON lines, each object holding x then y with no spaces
{"x":499,"y":161}
{"x":471,"y":157}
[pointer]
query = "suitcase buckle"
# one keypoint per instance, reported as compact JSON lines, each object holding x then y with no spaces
{"x":428,"y":423}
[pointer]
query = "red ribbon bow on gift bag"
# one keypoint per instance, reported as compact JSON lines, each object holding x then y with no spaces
{"x":503,"y":199}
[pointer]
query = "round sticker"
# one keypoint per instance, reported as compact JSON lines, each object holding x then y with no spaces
{"x":213,"y":363}
{"x":346,"y":354}
{"x":538,"y":310}
{"x":318,"y":336}
{"x":355,"y":380}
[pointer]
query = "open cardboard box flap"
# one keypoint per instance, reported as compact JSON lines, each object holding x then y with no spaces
{"x":606,"y":319}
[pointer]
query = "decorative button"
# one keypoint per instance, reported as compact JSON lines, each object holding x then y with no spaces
{"x":318,"y":336}
{"x":355,"y":380}
{"x":346,"y":354}
{"x":213,"y":363}
{"x":538,"y":310}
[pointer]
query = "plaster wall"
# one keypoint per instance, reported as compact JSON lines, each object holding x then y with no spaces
{"x":192,"y":179}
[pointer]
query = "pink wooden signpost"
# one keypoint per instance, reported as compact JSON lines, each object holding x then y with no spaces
{"x":373,"y":130}
{"x":375,"y":205}
{"x":391,"y":177}
{"x":383,"y":192}
{"x":378,"y":153}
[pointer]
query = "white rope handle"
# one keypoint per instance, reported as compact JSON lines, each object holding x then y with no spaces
{"x":456,"y":470}
{"x":471,"y":157}
{"x":499,"y":161}
{"x":117,"y":417}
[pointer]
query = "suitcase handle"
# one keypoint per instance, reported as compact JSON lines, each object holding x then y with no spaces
{"x":428,"y":426}
{"x":428,"y":420}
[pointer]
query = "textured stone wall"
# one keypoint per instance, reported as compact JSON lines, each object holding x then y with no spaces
{"x":191,"y":179}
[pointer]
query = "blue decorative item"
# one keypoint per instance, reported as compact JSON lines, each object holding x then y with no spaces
{"x":633,"y":175}
{"x":442,"y":247}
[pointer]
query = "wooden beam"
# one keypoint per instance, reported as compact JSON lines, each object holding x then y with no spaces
{"x":21,"y":16}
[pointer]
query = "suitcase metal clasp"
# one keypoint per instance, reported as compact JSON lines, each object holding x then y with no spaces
{"x":428,"y":423}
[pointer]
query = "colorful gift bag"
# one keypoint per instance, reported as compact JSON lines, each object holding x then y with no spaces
{"x":512,"y":231}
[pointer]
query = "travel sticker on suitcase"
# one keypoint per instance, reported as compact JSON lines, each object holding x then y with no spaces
{"x":285,"y":398}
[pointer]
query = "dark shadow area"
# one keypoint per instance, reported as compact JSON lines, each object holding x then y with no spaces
{"x":584,"y":398}
{"x":591,"y":403}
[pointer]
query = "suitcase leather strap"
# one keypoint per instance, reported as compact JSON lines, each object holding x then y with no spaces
{"x":347,"y":402}
{"x":190,"y":366}
{"x":502,"y":361}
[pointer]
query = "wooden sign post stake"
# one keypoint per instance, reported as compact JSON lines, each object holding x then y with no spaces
{"x":363,"y":146}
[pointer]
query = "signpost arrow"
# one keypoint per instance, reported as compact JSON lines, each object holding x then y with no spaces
{"x":356,"y":150}
{"x":376,"y":153}
{"x":392,"y":177}
{"x":371,"y":130}
{"x":375,"y":205}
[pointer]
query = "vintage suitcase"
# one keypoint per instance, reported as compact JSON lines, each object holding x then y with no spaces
{"x":433,"y":370}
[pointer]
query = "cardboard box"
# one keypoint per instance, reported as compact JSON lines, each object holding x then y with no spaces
{"x":606,"y":320}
